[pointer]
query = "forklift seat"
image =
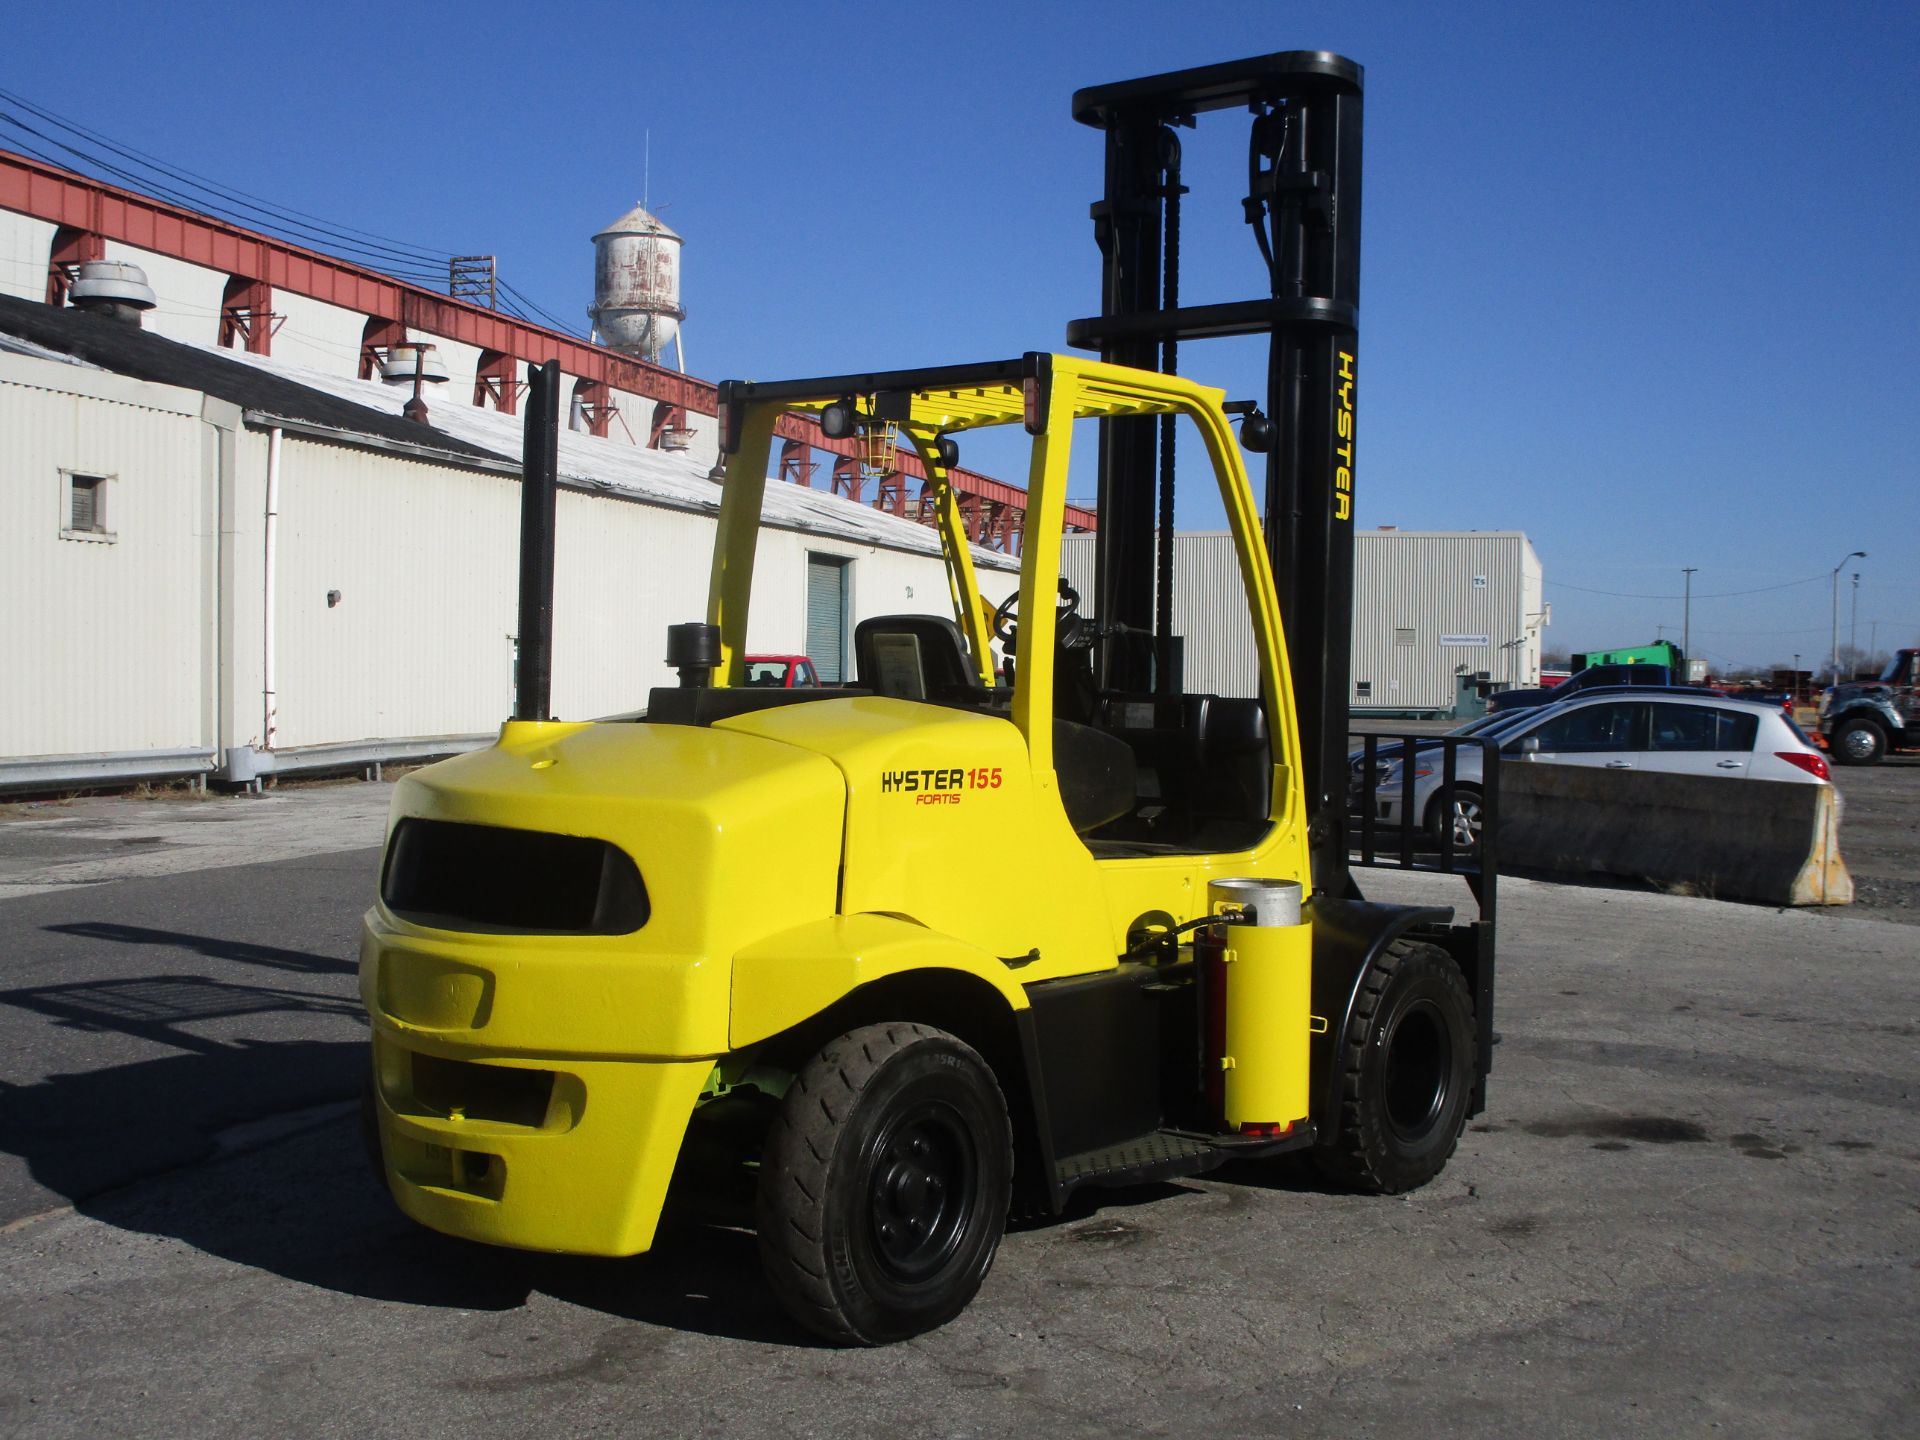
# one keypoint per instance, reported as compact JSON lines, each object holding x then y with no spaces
{"x":1097,"y":774}
{"x":915,"y":657}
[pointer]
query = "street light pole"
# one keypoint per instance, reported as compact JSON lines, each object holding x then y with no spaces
{"x":1686,"y":627}
{"x":1853,"y":622}
{"x":1833,"y":650}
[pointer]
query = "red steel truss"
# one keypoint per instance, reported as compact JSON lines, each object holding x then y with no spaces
{"x":89,"y":213}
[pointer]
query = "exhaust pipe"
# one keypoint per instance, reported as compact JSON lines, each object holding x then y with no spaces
{"x":539,"y":483}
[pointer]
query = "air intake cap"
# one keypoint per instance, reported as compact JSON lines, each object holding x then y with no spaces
{"x":693,"y":649}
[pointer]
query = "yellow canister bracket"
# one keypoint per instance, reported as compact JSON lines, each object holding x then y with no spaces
{"x":1262,"y":995}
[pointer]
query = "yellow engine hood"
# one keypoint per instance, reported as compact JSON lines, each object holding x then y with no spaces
{"x":735,"y":836}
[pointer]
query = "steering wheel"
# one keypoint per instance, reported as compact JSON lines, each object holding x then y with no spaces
{"x":1006,"y":618}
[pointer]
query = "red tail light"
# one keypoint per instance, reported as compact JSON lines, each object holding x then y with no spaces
{"x":1808,"y":761}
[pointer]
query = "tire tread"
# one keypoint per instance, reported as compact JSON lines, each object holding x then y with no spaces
{"x":790,"y":1209}
{"x":1349,"y":1159}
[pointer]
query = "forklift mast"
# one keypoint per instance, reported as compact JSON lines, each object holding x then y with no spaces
{"x":1303,"y":204}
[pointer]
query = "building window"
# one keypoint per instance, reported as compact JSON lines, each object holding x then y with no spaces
{"x":1403,"y":637}
{"x":1363,"y":689}
{"x":83,"y":506}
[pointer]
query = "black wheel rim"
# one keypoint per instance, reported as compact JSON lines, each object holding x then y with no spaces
{"x":1419,"y":1068}
{"x":921,"y":1198}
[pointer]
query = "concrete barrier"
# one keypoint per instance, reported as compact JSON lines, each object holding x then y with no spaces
{"x":1769,"y":841}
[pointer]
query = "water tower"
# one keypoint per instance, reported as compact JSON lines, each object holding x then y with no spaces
{"x":636,"y":287}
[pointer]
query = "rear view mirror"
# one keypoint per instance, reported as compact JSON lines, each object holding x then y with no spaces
{"x":1530,"y":745}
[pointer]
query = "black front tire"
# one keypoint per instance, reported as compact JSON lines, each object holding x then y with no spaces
{"x":884,"y":1185}
{"x":1406,"y":1073}
{"x":1859,"y":742}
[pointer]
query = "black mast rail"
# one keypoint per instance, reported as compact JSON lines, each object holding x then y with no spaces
{"x":539,"y":486}
{"x":1303,"y":202}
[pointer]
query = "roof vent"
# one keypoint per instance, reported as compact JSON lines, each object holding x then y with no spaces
{"x":112,"y":288}
{"x":420,"y":357}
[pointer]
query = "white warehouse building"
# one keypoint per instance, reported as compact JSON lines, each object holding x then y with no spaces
{"x":1433,"y":606}
{"x":1432,"y":610}
{"x":220,"y":564}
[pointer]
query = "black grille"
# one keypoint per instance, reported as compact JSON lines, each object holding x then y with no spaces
{"x":479,"y":877}
{"x":482,"y":1092}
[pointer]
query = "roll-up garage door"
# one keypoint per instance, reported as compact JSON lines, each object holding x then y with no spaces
{"x":827,"y":616}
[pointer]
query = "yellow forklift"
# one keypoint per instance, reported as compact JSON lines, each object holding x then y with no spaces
{"x":1013,"y":914}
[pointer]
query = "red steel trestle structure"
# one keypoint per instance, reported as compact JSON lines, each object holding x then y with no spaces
{"x":89,"y":213}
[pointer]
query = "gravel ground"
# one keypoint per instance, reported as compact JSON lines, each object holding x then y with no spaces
{"x":1880,"y":836}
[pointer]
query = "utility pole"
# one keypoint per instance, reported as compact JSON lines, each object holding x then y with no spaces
{"x":1833,"y":648}
{"x":1853,"y":622}
{"x":1686,"y":627}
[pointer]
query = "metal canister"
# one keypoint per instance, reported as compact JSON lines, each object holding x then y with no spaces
{"x":1257,"y":977}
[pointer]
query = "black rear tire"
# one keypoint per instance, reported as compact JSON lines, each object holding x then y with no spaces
{"x":884,"y":1185}
{"x":1859,"y":742}
{"x":1406,"y":1073}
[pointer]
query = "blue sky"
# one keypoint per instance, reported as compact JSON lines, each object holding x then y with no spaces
{"x":1639,"y":280}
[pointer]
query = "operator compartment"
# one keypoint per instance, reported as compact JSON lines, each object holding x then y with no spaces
{"x":1203,"y":768}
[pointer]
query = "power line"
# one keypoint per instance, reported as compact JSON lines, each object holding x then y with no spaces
{"x":1717,"y":595}
{"x":241,"y":198}
{"x":397,"y":258}
{"x":545,"y":314}
{"x":288,"y":229}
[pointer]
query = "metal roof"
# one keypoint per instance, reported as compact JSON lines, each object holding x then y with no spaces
{"x":129,"y":350}
{"x":638,"y":221}
{"x":269,"y":389}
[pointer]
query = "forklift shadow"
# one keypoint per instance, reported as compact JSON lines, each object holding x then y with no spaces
{"x":701,"y":1278}
{"x":1090,"y":1200}
{"x":1294,"y":1173}
{"x":703,"y":1274}
{"x":304,"y":1207}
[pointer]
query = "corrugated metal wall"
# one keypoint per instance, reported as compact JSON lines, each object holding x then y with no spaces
{"x":1209,"y":610}
{"x":1428,"y":605}
{"x":395,"y":588}
{"x":426,"y":557}
{"x":24,"y":245}
{"x":1424,"y":603}
{"x":419,"y":641}
{"x":106,"y":640}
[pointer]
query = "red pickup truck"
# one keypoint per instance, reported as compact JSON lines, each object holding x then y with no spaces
{"x":780,"y":672}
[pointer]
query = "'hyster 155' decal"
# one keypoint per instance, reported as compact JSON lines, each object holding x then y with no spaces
{"x":941,"y":786}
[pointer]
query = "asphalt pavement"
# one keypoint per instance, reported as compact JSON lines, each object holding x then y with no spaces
{"x":1689,"y":1208}
{"x":157,"y":990}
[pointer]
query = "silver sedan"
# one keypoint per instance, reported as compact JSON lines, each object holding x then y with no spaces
{"x":1670,"y":733}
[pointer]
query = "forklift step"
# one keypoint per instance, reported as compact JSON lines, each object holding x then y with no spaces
{"x":1160,"y":1155}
